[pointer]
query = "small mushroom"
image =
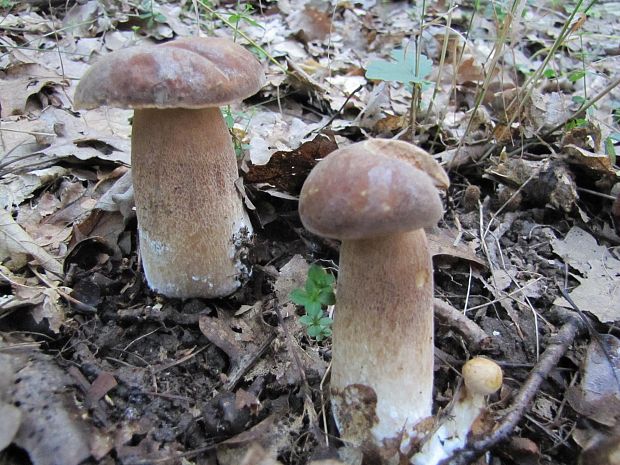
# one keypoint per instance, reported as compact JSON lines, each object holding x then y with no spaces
{"x":191,"y":221}
{"x":377,"y":196}
{"x":481,"y":377}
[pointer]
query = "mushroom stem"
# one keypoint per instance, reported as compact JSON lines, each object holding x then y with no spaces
{"x":184,"y":170}
{"x":383,"y":332}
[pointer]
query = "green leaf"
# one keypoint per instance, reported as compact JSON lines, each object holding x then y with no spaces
{"x":314,"y":331}
{"x":311,"y":287}
{"x":325,"y":321}
{"x":326,"y":280}
{"x":549,"y":73}
{"x":576,"y":75}
{"x":402,"y":68}
{"x":327,"y":296}
{"x":610,"y":150}
{"x":315,"y":273}
{"x":575,"y":123}
{"x":578,"y":99}
{"x":306,"y":320}
{"x":314,"y":310}
{"x":299,"y":297}
{"x":228,"y":117}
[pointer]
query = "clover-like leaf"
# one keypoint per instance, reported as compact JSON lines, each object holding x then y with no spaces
{"x":402,"y":69}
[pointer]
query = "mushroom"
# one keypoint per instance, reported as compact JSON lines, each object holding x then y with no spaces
{"x":481,"y":377}
{"x":191,"y":221}
{"x":377,"y":196}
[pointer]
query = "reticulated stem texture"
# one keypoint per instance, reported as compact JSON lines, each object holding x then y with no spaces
{"x":190,"y":215}
{"x":383,"y":330}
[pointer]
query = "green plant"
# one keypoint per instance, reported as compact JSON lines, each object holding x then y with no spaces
{"x":610,"y":150}
{"x":6,"y":4}
{"x":214,"y":14}
{"x":242,"y":14}
{"x":317,"y":292}
{"x":407,"y":67}
{"x":230,"y":118}
{"x":149,"y":14}
{"x":575,"y":123}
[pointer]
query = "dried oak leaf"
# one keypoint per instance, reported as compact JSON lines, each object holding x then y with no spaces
{"x":20,"y":82}
{"x":287,"y":171}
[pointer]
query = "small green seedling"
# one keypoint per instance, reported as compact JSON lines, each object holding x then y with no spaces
{"x":243,"y":14}
{"x":575,"y":123}
{"x":317,"y":292}
{"x":229,"y":119}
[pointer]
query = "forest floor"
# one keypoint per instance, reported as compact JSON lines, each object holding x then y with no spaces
{"x":519,"y":102}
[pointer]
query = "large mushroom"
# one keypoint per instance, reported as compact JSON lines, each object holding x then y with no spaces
{"x":191,"y":221}
{"x":377,"y":196}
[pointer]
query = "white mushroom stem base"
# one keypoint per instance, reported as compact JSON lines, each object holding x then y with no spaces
{"x":383,"y":335}
{"x":453,"y":430}
{"x":191,"y":219}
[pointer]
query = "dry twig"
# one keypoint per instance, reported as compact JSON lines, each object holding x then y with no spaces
{"x":467,"y":328}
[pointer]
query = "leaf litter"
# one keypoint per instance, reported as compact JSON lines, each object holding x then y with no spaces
{"x":134,"y":377}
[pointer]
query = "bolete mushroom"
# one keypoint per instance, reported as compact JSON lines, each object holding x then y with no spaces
{"x":191,"y":221}
{"x":481,"y":377}
{"x":377,"y":196}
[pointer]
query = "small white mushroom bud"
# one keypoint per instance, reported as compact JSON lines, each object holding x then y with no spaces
{"x":481,"y":377}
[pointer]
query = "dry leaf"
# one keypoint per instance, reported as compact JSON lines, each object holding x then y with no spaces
{"x":65,"y":436}
{"x":293,"y":275}
{"x":14,"y":240}
{"x":598,"y":162}
{"x":20,"y":82}
{"x":287,"y":171}
{"x":599,"y":288}
{"x":598,"y":394}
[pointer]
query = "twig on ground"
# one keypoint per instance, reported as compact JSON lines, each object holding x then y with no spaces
{"x":183,"y":359}
{"x":245,"y":364}
{"x":78,"y":305}
{"x":340,"y":110}
{"x":467,"y":328}
{"x":548,"y":361}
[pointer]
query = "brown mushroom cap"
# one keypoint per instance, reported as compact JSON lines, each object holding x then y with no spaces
{"x":372,"y":188}
{"x":194,"y":72}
